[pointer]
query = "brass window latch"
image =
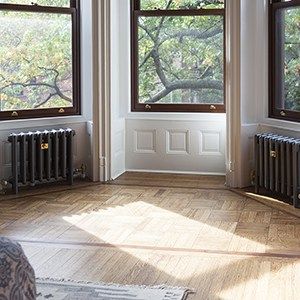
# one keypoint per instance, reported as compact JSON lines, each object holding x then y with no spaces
{"x":283,"y":113}
{"x":14,"y":114}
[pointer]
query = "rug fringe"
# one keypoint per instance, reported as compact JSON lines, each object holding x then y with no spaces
{"x":187,"y":291}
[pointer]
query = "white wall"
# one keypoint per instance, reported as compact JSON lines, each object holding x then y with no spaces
{"x":249,"y":93}
{"x":120,"y":92}
{"x":81,"y":124}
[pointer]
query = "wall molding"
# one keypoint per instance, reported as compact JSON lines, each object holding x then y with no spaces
{"x":175,"y":172}
{"x":233,"y":93}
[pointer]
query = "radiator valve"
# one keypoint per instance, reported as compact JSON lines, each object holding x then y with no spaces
{"x":81,"y":171}
{"x":3,"y":186}
{"x":252,"y":176}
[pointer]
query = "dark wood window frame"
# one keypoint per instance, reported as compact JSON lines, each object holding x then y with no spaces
{"x":274,"y":78}
{"x":74,"y":12}
{"x":136,"y":12}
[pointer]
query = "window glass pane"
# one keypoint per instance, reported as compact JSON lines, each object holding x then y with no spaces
{"x":59,"y":3}
{"x":181,"y":60}
{"x":288,"y":59}
{"x":181,"y":4}
{"x":35,"y":60}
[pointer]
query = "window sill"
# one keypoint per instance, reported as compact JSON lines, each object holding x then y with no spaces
{"x":281,"y":124}
{"x":40,"y":122}
{"x":203,"y":117}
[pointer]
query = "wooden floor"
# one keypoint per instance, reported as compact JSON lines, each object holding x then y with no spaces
{"x":218,"y":243}
{"x":171,"y":180}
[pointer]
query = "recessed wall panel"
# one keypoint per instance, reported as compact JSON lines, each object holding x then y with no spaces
{"x":210,"y":143}
{"x":145,"y":141}
{"x":178,"y":142}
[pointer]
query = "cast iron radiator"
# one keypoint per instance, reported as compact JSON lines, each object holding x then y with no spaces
{"x":277,"y":166}
{"x":40,"y":157}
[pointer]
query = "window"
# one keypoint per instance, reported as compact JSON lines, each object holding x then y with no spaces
{"x":178,"y":55}
{"x":285,"y":60}
{"x":39,"y":58}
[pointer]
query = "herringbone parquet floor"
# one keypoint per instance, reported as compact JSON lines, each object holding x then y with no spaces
{"x":222,"y":245}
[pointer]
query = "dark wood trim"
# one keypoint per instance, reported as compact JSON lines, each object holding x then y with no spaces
{"x":180,"y":12}
{"x":281,"y":4}
{"x":74,"y":12}
{"x":155,"y":107}
{"x":274,"y":78}
{"x":38,"y":113}
{"x":218,"y":108}
{"x":77,"y":58}
{"x":37,"y":8}
{"x":75,"y":244}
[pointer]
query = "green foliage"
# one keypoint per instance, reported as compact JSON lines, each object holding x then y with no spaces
{"x":35,"y":60}
{"x":180,"y":4}
{"x":292,"y":59}
{"x":188,"y":51}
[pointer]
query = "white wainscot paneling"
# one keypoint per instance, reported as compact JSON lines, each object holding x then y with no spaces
{"x":178,"y":142}
{"x":210,"y":143}
{"x":145,"y":141}
{"x":175,"y":146}
{"x":120,"y":143}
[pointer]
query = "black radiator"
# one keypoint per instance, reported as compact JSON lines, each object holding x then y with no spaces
{"x":277,"y":166}
{"x":40,"y":157}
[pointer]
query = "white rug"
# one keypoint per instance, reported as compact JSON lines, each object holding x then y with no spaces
{"x":68,"y":290}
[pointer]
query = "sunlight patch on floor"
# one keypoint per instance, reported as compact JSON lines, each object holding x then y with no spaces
{"x":141,"y":223}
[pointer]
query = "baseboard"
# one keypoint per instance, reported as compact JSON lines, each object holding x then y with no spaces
{"x":176,"y":172}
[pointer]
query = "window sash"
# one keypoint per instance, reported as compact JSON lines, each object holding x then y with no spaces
{"x":136,"y":13}
{"x":13,"y":6}
{"x":75,"y":109}
{"x":136,"y":5}
{"x":274,"y":85}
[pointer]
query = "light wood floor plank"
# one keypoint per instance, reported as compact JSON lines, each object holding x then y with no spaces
{"x":177,"y":230}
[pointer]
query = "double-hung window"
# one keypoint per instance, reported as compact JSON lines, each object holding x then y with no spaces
{"x":178,"y":51}
{"x":284,"y":63}
{"x":39,"y":58}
